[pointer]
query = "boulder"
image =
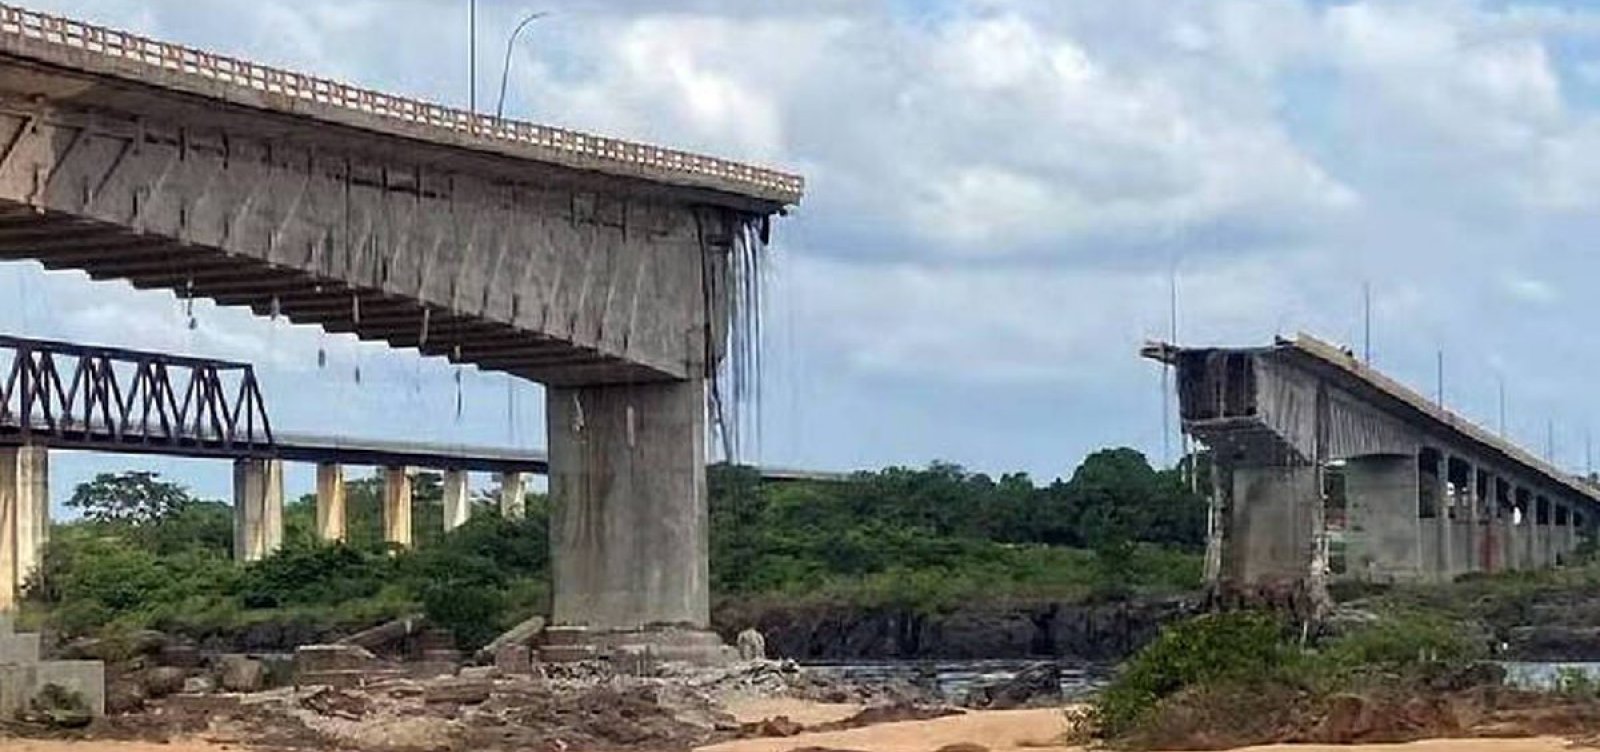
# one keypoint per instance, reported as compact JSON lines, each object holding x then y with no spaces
{"x":240,"y":673}
{"x":752,"y":646}
{"x":179,"y":655}
{"x":199,"y":685}
{"x":1037,"y":684}
{"x":161,"y":681}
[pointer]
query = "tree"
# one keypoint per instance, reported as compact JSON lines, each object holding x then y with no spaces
{"x":135,"y":498}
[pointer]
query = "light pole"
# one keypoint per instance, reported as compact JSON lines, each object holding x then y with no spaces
{"x":505,"y":71}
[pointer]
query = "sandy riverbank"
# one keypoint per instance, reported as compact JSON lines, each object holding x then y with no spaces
{"x":1032,"y":730}
{"x":998,"y":731}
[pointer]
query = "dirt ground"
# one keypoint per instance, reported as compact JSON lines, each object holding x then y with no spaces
{"x":1019,"y":730}
{"x":999,"y":731}
{"x":994,"y":730}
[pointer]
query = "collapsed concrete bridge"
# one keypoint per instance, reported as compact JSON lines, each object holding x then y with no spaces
{"x":612,"y":272}
{"x":1325,"y":468}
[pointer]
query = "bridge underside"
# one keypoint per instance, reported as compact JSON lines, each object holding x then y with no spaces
{"x":556,"y":275}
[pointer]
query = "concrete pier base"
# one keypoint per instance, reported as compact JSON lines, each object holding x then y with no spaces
{"x":23,"y":675}
{"x":397,"y":507}
{"x":628,"y":523}
{"x":331,"y":515}
{"x":257,"y":508}
{"x":1270,"y":535}
{"x":513,"y":496}
{"x":1381,"y":495}
{"x":457,"y":502}
{"x":24,"y":518}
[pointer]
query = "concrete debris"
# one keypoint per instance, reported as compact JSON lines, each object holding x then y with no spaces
{"x":524,"y":634}
{"x":240,"y":673}
{"x":572,"y":707}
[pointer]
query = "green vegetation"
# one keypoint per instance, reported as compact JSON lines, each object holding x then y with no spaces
{"x":1251,"y":667}
{"x":147,"y":554}
{"x":942,"y":536}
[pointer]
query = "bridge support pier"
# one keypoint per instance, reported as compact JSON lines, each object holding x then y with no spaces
{"x":1270,"y":535}
{"x":1381,"y":493}
{"x":24,"y":517}
{"x":628,"y":524}
{"x":457,"y":503}
{"x":257,"y":508}
{"x":513,"y":496}
{"x":331,"y":516}
{"x":397,"y":507}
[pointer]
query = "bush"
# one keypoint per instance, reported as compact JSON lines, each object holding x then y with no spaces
{"x":1401,"y":641}
{"x":1242,"y":646}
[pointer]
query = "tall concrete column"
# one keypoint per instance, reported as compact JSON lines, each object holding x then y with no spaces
{"x":397,"y":506}
{"x":257,"y":508}
{"x":1445,"y":563}
{"x":1475,"y":551}
{"x":513,"y":496}
{"x":1269,"y":536}
{"x":1381,"y":496}
{"x":331,"y":515}
{"x":24,"y":518}
{"x":1544,"y":525}
{"x":628,"y":525}
{"x":457,"y":503}
{"x":1570,"y":533}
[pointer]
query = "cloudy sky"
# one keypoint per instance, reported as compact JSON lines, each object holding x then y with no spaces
{"x":999,"y":193}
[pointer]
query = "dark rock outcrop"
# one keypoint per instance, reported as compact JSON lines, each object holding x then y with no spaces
{"x":1092,"y":632}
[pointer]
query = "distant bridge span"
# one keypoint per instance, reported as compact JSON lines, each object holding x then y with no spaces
{"x":613,"y":272}
{"x":1421,"y":493}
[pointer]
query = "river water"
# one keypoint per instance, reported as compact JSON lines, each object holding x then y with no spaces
{"x":954,"y":679}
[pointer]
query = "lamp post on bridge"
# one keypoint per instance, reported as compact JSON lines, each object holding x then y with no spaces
{"x":505,"y":70}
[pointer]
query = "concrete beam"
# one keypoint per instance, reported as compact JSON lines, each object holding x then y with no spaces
{"x":397,"y":507}
{"x":331,"y":515}
{"x":24,"y":518}
{"x":457,"y":503}
{"x":257,"y":508}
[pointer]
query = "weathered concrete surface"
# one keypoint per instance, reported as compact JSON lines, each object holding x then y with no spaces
{"x":457,"y":502}
{"x":24,"y":518}
{"x":1269,"y":535}
{"x":397,"y":506}
{"x":257,"y":508}
{"x":331,"y":513}
{"x":550,"y":278}
{"x":23,"y":675}
{"x":562,"y":257}
{"x":628,"y":523}
{"x":513,"y":496}
{"x":1385,"y":533}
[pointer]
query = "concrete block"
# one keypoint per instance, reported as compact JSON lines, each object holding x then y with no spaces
{"x":514,"y":660}
{"x":17,"y":685}
{"x":19,"y":649}
{"x":87,"y":678}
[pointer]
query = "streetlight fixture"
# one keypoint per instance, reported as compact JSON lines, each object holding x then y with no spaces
{"x":505,"y":71}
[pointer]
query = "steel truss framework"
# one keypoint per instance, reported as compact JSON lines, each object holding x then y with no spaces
{"x":70,"y":395}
